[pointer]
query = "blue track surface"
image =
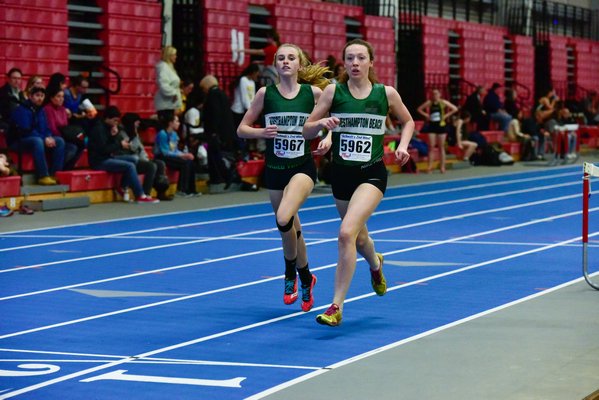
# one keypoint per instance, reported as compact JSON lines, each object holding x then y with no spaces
{"x":188,"y":305}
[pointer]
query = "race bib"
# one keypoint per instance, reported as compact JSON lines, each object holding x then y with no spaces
{"x":435,"y":116}
{"x":355,"y":147}
{"x":289,"y":145}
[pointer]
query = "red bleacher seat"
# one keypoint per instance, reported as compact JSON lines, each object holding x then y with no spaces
{"x":493,"y":136}
{"x":83,"y":180}
{"x":250,"y":168}
{"x":82,"y":163}
{"x":27,"y":164}
{"x":511,"y":148}
{"x":173,"y":176}
{"x":148,"y":136}
{"x":10,"y":186}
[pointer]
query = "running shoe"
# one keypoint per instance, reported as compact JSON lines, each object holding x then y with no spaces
{"x":5,"y":211}
{"x":307,"y":298}
{"x":147,"y":200}
{"x":377,"y":279}
{"x":331,"y":317}
{"x":290,"y":295}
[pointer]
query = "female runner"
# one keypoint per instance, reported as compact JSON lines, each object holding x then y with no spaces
{"x":290,"y":171}
{"x":358,"y":108}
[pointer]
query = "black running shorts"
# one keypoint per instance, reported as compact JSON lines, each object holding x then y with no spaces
{"x":346,"y":179}
{"x":277,"y":179}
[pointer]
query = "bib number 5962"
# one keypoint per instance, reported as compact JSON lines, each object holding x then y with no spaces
{"x":355,"y":147}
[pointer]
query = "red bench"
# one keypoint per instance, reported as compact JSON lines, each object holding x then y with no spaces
{"x":10,"y":186}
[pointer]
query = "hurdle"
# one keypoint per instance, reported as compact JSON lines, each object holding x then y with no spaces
{"x":589,"y":170}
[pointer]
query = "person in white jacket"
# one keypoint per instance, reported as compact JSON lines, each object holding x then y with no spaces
{"x":168,"y":96}
{"x":244,"y":92}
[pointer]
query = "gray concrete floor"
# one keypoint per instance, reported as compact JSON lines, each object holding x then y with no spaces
{"x":544,"y":348}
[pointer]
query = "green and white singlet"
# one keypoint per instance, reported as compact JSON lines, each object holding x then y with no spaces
{"x":288,"y":149}
{"x":358,"y":140}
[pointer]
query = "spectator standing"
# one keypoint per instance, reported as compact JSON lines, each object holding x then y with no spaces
{"x":269,"y":72}
{"x":244,"y":92}
{"x":103,"y":144}
{"x":168,"y":96}
{"x":494,"y":108}
{"x":186,"y":89}
{"x":219,"y":131}
{"x":437,"y":112}
{"x":166,"y":148}
{"x":35,"y":137}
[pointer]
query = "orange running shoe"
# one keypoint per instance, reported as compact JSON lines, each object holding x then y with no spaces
{"x":307,"y":297}
{"x":290,"y":295}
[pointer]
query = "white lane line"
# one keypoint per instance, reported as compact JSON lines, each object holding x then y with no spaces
{"x":293,"y":315}
{"x":151,"y":359}
{"x":409,"y":340}
{"x":537,"y":177}
{"x":193,"y":264}
{"x":325,"y":221}
{"x":246,"y":284}
{"x":306,"y":209}
{"x":155,"y":361}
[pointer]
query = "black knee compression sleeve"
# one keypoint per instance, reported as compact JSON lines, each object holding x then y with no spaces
{"x":287,"y":226}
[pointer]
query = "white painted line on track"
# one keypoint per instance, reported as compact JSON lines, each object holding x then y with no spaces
{"x":196,"y":295}
{"x":423,"y":223}
{"x":205,"y":210}
{"x":296,"y":314}
{"x":376,"y":213}
{"x":303,"y":210}
{"x":410,"y":339}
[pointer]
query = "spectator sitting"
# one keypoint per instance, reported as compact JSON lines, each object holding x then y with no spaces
{"x":154,"y":170}
{"x":474,"y":105}
{"x":565,"y":124}
{"x":5,"y":168}
{"x":546,"y":107}
{"x":33,"y":81}
{"x":510,"y":103}
{"x":460,"y":136}
{"x":527,"y":141}
{"x":103,"y":144}
{"x":494,"y":108}
{"x":590,"y":108}
{"x":166,"y":148}
{"x":11,"y":95}
{"x":58,"y":123}
{"x":56,"y":82}
{"x":74,"y":96}
{"x":168,"y":97}
{"x":35,"y":137}
{"x":529,"y":125}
